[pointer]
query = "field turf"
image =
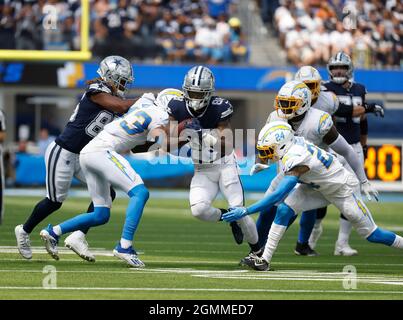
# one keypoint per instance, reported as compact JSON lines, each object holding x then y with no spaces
{"x":189,"y":259}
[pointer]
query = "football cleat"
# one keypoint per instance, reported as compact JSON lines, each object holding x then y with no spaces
{"x":51,"y":240}
{"x":236,"y":232}
{"x":23,"y":242}
{"x":344,"y":250}
{"x":77,"y":243}
{"x":250,"y":256}
{"x":303,"y":249}
{"x":315,"y":235}
{"x":128,"y":255}
{"x":257,"y":263}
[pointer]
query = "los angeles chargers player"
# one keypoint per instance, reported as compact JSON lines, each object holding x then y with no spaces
{"x":316,"y":179}
{"x":212,"y":152}
{"x":103,"y":167}
{"x":103,"y":98}
{"x":293,"y":105}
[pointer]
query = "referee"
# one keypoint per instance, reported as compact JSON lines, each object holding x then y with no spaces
{"x":2,"y":138}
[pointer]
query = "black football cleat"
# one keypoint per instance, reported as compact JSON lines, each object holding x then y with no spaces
{"x":257,"y":263}
{"x":303,"y":249}
{"x":236,"y":232}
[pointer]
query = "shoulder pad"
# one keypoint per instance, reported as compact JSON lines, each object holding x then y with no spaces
{"x":325,"y":123}
{"x":175,"y":105}
{"x":224,"y":106}
{"x":273,"y":116}
{"x":294,"y":157}
{"x":98,"y":87}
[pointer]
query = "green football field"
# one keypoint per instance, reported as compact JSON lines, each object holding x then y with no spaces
{"x":190,"y":259}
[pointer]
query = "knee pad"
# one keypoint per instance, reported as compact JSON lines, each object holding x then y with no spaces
{"x":101,"y":215}
{"x":382,"y":236}
{"x":199,"y":210}
{"x":284,"y":215}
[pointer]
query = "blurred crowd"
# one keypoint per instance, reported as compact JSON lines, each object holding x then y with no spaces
{"x":310,"y":31}
{"x":163,"y":30}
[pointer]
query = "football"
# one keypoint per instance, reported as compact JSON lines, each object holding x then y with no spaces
{"x":182,"y":124}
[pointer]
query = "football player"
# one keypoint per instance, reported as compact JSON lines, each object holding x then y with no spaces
{"x":104,"y":167}
{"x":293,"y":105}
{"x":104,"y":97}
{"x":316,"y":179}
{"x":351,"y":122}
{"x":212,"y":152}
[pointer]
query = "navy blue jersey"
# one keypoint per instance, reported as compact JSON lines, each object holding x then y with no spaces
{"x":87,"y":120}
{"x":348,"y":126}
{"x":218,"y":110}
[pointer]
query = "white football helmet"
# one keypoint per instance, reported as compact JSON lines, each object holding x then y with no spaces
{"x":116,"y":71}
{"x":167,"y":95}
{"x":274,"y":140}
{"x":311,"y":77}
{"x":198,"y":87}
{"x":293,"y":99}
{"x":340,"y":68}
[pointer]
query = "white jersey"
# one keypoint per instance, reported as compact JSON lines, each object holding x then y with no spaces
{"x":131,"y":130}
{"x":326,"y":173}
{"x":327,"y":101}
{"x":313,"y":127}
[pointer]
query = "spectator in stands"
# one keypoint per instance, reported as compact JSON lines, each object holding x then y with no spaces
{"x":218,"y":7}
{"x":236,"y":48}
{"x":7,"y":27}
{"x":210,"y":41}
{"x":27,"y":30}
{"x":44,"y":140}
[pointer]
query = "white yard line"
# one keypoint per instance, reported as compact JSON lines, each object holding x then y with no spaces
{"x":201,"y":290}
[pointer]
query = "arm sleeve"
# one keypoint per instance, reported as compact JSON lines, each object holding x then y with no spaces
{"x":283,"y":189}
{"x":344,"y":110}
{"x":341,"y":146}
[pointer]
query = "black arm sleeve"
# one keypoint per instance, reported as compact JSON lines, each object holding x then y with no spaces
{"x":364,"y":127}
{"x":344,"y":110}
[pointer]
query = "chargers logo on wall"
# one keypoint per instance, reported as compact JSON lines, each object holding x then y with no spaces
{"x":70,"y":75}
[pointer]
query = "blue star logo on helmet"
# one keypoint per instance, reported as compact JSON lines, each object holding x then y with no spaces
{"x":117,"y":62}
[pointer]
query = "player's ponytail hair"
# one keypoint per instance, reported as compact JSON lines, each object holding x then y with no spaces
{"x":99,"y":79}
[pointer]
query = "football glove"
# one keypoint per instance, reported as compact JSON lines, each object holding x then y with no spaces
{"x":368,"y":190}
{"x":257,"y":167}
{"x":375,"y":109}
{"x":365,"y":151}
{"x":235,"y":214}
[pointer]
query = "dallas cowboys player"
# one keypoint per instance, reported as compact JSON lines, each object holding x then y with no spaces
{"x":212,"y":152}
{"x":103,"y":166}
{"x":351,"y":122}
{"x":103,"y":99}
{"x":293,"y":105}
{"x":322,"y":179}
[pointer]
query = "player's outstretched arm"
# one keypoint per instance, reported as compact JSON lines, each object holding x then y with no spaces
{"x":112,"y":103}
{"x":288,"y":183}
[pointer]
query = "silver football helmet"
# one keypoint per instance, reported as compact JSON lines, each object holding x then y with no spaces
{"x":116,"y":71}
{"x":198,"y":87}
{"x":340,"y":68}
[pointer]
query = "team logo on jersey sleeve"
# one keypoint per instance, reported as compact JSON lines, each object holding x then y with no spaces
{"x":325,"y":123}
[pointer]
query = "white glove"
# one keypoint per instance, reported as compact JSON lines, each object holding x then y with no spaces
{"x":258,"y":167}
{"x":368,"y":189}
{"x":149,"y":96}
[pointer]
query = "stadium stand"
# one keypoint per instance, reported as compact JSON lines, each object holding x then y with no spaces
{"x":310,"y":31}
{"x":155,"y":30}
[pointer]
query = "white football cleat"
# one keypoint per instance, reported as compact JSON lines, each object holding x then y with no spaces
{"x":23,"y":242}
{"x":344,"y":250}
{"x":315,"y":235}
{"x":51,"y":240}
{"x":129,"y":256}
{"x":77,"y":243}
